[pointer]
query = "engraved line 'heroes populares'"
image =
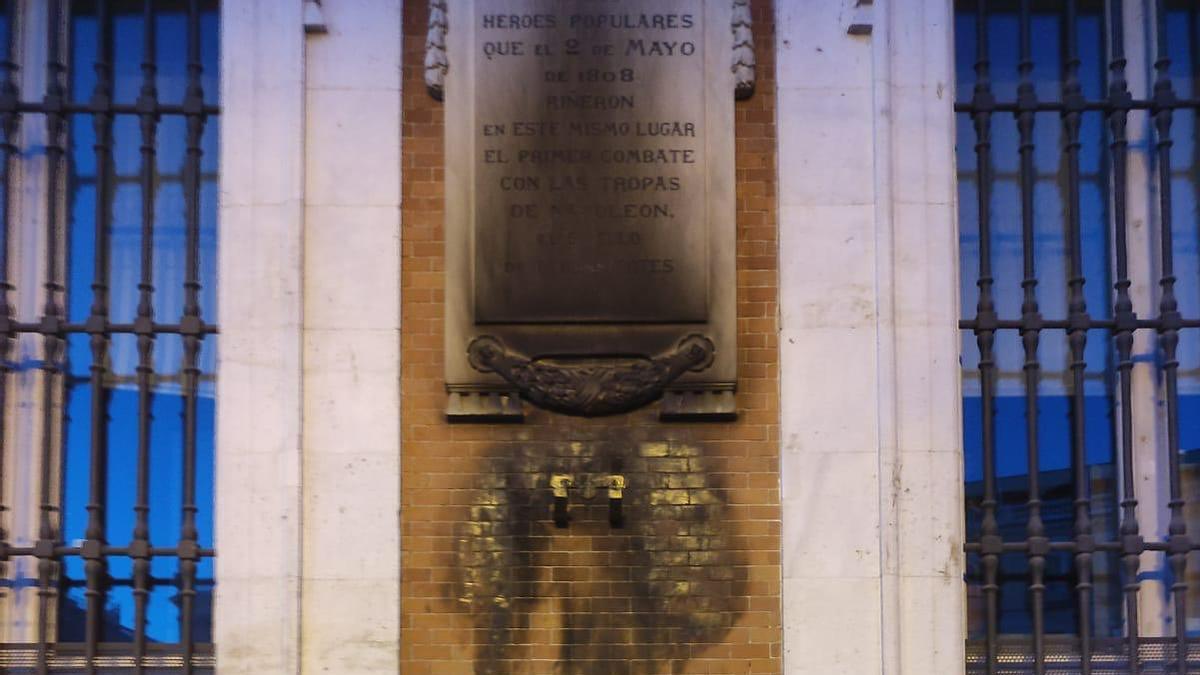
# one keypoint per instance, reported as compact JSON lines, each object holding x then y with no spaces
{"x":588,"y":21}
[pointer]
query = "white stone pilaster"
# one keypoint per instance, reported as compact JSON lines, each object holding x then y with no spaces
{"x":21,"y":459}
{"x":351,"y":571}
{"x":308,"y":491}
{"x":259,"y":384}
{"x":1147,"y":404}
{"x":871,"y":412}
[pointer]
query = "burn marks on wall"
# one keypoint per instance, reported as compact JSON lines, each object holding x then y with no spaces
{"x":591,"y":598}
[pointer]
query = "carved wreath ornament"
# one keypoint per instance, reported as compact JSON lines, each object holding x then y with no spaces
{"x":437,"y":63}
{"x":591,"y":388}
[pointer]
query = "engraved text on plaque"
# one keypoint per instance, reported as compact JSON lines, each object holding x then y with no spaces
{"x":590,"y":179}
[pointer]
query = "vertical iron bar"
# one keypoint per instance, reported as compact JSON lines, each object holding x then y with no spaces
{"x":1178,"y":543}
{"x":95,"y":564}
{"x":985,"y":334}
{"x":1125,"y":323}
{"x":1077,"y":326}
{"x":144,"y":327}
{"x":191,"y":324}
{"x":8,"y":149}
{"x":1031,"y":326}
{"x":51,"y":329}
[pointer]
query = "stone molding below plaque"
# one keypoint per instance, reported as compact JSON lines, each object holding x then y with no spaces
{"x":709,"y":402}
{"x":715,"y":402}
{"x":468,"y":403}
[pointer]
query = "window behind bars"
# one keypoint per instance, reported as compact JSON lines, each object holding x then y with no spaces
{"x":1079,"y":186}
{"x":108,"y":131}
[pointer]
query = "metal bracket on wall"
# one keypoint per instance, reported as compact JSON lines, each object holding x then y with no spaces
{"x":560,"y":483}
{"x":614,"y":485}
{"x":314,"y":18}
{"x":616,"y":496}
{"x":861,"y":22}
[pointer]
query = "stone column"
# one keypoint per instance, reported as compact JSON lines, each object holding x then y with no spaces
{"x":351,"y":477}
{"x":258,"y":445}
{"x":1148,"y":402}
{"x":308,"y":487}
{"x":871,"y":411}
{"x":24,"y":409}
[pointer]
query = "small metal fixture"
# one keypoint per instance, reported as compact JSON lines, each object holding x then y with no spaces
{"x":314,"y":19}
{"x":616,"y":492}
{"x":559,"y":484}
{"x":614,"y":484}
{"x":862,"y":22}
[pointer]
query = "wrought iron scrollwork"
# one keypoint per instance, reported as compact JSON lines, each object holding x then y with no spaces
{"x":591,"y":388}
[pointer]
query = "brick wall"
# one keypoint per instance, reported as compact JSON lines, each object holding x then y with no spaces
{"x":692,"y":583}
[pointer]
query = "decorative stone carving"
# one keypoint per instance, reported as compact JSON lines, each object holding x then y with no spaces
{"x":592,"y":388}
{"x":743,"y":50}
{"x":436,"y":63}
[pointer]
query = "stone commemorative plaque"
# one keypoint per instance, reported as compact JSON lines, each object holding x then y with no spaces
{"x":590,"y":190}
{"x":589,"y":172}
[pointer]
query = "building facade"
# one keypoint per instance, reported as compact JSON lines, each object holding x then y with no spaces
{"x":963,"y":244}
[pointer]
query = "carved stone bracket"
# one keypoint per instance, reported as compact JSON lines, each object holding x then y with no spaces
{"x":743,"y":50}
{"x":710,"y":402}
{"x":481,"y":404}
{"x":744,"y":63}
{"x":592,"y":387}
{"x":436,"y":63}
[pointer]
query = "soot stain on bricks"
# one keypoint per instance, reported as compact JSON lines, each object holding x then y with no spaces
{"x":596,"y":599}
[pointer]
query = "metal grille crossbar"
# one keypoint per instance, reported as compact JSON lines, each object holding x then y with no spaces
{"x":1087,"y":652}
{"x":47,"y":653}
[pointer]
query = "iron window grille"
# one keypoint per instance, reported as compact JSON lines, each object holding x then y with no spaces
{"x":1080,"y":283}
{"x":107,"y":263}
